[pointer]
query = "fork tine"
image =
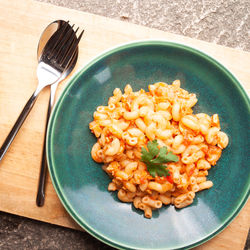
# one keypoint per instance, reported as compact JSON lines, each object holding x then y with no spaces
{"x":65,"y":47}
{"x":61,"y":47}
{"x":55,"y":39}
{"x":76,"y":30}
{"x":63,"y":40}
{"x":71,"y":50}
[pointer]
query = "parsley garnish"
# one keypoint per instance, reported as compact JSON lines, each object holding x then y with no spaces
{"x":155,"y":157}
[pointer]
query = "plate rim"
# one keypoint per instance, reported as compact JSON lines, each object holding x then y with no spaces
{"x":75,"y":77}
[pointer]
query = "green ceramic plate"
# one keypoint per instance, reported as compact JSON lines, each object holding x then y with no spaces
{"x":82,"y":185}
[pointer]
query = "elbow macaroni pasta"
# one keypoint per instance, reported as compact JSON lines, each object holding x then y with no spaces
{"x":164,"y":113}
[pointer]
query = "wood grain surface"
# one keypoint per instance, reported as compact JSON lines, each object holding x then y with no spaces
{"x":22,"y":23}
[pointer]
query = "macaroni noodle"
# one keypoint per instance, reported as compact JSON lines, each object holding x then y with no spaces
{"x":131,"y":120}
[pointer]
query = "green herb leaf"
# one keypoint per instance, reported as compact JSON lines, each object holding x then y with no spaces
{"x":172,"y":157}
{"x":152,"y":170}
{"x":162,"y":156}
{"x":153,"y":148}
{"x":145,"y":156}
{"x":155,"y":158}
{"x":162,"y":170}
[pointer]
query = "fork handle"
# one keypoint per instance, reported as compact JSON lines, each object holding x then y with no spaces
{"x":44,"y":167}
{"x":18,"y":124}
{"x":40,"y":197}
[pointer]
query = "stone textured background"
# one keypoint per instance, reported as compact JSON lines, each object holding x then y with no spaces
{"x":21,"y":233}
{"x":223,"y":22}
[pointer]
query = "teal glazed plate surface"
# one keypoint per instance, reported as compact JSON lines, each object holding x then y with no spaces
{"x":81,"y":184}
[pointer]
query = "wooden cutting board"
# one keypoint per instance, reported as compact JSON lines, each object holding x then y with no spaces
{"x":21,"y":25}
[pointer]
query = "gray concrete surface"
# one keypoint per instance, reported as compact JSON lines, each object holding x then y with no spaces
{"x":223,"y":22}
{"x":21,"y":233}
